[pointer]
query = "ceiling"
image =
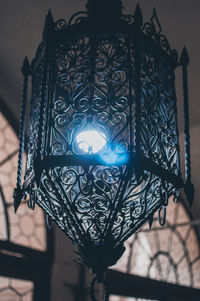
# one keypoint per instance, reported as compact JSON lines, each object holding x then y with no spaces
{"x":21,"y":26}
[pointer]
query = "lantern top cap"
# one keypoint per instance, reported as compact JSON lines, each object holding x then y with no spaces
{"x":106,"y":16}
{"x":105,"y":7}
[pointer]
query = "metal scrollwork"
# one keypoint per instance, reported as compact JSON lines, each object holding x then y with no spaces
{"x":153,"y":30}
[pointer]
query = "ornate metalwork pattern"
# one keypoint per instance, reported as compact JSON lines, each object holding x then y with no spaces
{"x":153,"y":29}
{"x":111,"y":82}
{"x":168,"y":254}
{"x":27,"y":228}
{"x":91,"y":91}
{"x":159,"y":136}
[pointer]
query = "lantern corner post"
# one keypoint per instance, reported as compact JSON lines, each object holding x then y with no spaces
{"x":45,"y":91}
{"x":138,"y":23}
{"x":18,"y":191}
{"x":188,"y":186}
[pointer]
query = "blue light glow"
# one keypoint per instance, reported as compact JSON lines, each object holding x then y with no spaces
{"x":115,"y":158}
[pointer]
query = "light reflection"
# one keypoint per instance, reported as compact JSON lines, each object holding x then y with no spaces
{"x":91,"y":141}
{"x":114,"y":158}
{"x":116,"y":154}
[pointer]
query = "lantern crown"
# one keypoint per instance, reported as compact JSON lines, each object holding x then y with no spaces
{"x":104,"y":8}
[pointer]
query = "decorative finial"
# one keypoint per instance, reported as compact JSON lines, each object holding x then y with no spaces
{"x":138,"y":17}
{"x":18,"y":196}
{"x":150,"y":221}
{"x":26,"y":67}
{"x":48,"y":23}
{"x":49,"y":17}
{"x":184,"y":59}
{"x":155,"y":22}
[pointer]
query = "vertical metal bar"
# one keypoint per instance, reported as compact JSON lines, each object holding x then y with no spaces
{"x":51,"y":93}
{"x":130,"y":100}
{"x":138,"y":21}
{"x":18,"y":190}
{"x":185,"y":61}
{"x":189,"y":188}
{"x":47,"y":36}
{"x":176,"y":118}
{"x":138,"y":96}
{"x":93,"y":53}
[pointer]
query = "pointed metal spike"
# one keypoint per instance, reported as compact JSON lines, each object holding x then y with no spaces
{"x":155,"y":22}
{"x":150,"y":221}
{"x":16,"y":206}
{"x":189,"y":192}
{"x":49,"y":17}
{"x":48,"y":24}
{"x":17,"y":195}
{"x":138,"y":17}
{"x":184,"y":59}
{"x":25,"y":67}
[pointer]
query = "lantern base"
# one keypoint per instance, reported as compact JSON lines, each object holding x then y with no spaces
{"x":99,"y":257}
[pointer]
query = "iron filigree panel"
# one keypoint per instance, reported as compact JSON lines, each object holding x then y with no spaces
{"x":159,"y":136}
{"x":91,"y":89}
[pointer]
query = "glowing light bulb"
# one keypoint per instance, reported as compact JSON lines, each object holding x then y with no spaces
{"x":91,"y":141}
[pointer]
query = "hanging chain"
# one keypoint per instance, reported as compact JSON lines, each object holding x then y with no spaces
{"x":18,"y":193}
{"x":92,"y":290}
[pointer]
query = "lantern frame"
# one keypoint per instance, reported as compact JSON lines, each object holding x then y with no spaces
{"x":146,"y":165}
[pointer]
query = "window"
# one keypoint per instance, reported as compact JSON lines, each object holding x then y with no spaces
{"x":170,"y":253}
{"x":15,"y":290}
{"x":25,"y":255}
{"x":27,"y":227}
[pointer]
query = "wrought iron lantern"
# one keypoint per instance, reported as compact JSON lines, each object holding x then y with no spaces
{"x":103,"y":150}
